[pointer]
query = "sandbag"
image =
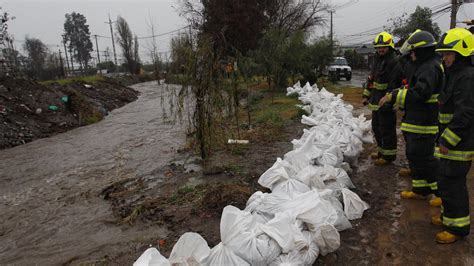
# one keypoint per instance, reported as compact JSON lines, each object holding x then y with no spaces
{"x":190,"y":249}
{"x":151,"y":257}
{"x":354,"y":207}
{"x":327,"y":238}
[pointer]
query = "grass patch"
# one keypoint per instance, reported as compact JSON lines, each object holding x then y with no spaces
{"x":187,"y":194}
{"x":86,"y":79}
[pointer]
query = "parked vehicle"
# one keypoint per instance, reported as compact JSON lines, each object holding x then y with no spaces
{"x":338,"y":68}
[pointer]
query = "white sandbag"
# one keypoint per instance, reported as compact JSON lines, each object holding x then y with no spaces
{"x":310,"y":176}
{"x":190,"y":249}
{"x":151,"y":257}
{"x":343,"y":178}
{"x":291,"y":187}
{"x":310,"y":253}
{"x":275,"y":174}
{"x":342,"y":222}
{"x":273,"y":202}
{"x":252,"y":206}
{"x":310,"y":208}
{"x":331,"y":156}
{"x":233,"y":223}
{"x":288,"y":259}
{"x":221,"y":255}
{"x":354,"y":207}
{"x":255,"y":247}
{"x":327,"y":238}
{"x":284,"y":231}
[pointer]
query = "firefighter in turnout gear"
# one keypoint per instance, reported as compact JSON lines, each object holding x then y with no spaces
{"x":386,"y":75}
{"x":420,"y":121}
{"x":456,"y":142}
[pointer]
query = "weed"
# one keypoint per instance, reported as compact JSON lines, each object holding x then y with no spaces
{"x":294,"y":95}
{"x":270,"y":117}
{"x":300,"y":112}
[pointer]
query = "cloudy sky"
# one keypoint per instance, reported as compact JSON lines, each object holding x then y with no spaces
{"x":355,"y":22}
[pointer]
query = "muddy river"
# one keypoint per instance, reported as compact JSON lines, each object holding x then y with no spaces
{"x":50,"y":203}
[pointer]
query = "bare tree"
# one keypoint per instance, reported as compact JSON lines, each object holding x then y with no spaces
{"x":291,"y":16}
{"x":129,"y":45}
{"x":153,"y":49}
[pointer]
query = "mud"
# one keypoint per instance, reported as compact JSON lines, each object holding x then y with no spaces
{"x":104,"y":193}
{"x":29,"y":110}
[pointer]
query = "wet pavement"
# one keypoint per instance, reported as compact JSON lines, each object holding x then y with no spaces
{"x":52,"y":212}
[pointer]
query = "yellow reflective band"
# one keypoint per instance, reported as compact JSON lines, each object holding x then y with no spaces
{"x":373,"y":107}
{"x":433,"y":99}
{"x":445,"y":118}
{"x":456,"y":222}
{"x":419,"y":129}
{"x":451,"y":137}
{"x":454,"y":155}
{"x":401,"y":96}
{"x":442,"y":67}
{"x":388,"y":152}
{"x":433,"y":186}
{"x":380,"y":86}
{"x":419,"y":183}
{"x":366,"y":92}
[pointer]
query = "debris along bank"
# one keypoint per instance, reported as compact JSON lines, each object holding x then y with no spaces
{"x":310,"y":199}
{"x":29,"y":110}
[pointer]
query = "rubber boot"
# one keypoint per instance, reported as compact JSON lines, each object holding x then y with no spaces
{"x":436,"y":220}
{"x":381,"y":162}
{"x":405,"y":172}
{"x":446,"y":237}
{"x":411,"y":195}
{"x":436,"y":201}
{"x":375,"y":155}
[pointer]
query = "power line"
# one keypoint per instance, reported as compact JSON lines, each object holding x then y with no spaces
{"x":163,"y":34}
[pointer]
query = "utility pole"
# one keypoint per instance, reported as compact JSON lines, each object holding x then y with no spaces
{"x":97,"y":49}
{"x":65,"y":53}
{"x":112,"y":35}
{"x":331,"y":36}
{"x":454,"y":10}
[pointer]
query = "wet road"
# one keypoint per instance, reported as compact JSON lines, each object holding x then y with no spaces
{"x":358,"y":78}
{"x":50,"y":205}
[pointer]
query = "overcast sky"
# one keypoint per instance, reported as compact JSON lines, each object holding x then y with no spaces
{"x":44,"y":19}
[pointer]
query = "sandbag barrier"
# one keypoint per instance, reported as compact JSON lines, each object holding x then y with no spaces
{"x":310,"y":202}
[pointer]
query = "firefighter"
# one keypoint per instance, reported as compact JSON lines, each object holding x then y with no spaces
{"x":420,"y":121}
{"x":456,"y":142}
{"x":386,"y":75}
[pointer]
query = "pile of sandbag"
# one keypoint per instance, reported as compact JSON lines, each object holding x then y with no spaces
{"x":309,"y":203}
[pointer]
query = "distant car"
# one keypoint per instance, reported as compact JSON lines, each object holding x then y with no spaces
{"x":339,"y":68}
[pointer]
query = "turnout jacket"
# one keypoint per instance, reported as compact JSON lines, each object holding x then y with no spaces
{"x":386,"y":76}
{"x":420,"y":97}
{"x":456,"y":113}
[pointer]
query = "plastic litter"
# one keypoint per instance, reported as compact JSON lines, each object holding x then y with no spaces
{"x":237,"y":141}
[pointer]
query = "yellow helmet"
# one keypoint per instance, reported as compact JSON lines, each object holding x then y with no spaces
{"x":383,"y":39}
{"x":457,"y":40}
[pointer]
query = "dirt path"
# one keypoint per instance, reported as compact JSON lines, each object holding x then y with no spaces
{"x":50,"y":204}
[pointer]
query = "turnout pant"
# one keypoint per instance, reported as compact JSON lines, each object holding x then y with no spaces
{"x":423,"y":164}
{"x":384,"y":123}
{"x":453,"y":192}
